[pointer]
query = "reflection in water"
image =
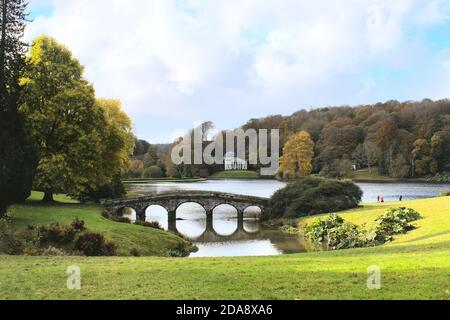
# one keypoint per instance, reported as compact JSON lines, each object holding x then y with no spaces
{"x":226,"y":236}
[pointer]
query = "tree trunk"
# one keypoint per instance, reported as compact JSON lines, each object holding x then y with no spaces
{"x":3,"y":210}
{"x":48,"y":197}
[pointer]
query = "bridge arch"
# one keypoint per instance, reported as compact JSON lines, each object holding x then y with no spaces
{"x":182,"y":206}
{"x":228,"y":215}
{"x":253,"y":211}
{"x":157,"y":212}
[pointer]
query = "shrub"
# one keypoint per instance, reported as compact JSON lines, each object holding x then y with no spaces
{"x":57,"y":234}
{"x":181,"y":250}
{"x":9,"y":243}
{"x":318,"y":230}
{"x":78,"y":225}
{"x":309,"y":196}
{"x":94,"y":244}
{"x":113,"y":190}
{"x":336,"y":233}
{"x":153,"y":172}
{"x":119,"y":219}
{"x":394,"y":221}
{"x":135,"y":252}
{"x":345,"y":236}
{"x":152,"y":224}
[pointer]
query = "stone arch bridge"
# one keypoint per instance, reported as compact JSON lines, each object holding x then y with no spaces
{"x":171,"y":201}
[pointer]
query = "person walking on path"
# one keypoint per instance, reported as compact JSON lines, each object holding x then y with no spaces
{"x":401,"y":198}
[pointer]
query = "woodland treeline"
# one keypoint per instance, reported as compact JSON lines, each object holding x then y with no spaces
{"x":399,"y":139}
{"x":395,"y":139}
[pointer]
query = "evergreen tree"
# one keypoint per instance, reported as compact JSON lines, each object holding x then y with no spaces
{"x":17,"y":155}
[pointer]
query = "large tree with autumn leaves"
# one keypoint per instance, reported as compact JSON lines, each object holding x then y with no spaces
{"x":83,"y":142}
{"x":297,"y":156}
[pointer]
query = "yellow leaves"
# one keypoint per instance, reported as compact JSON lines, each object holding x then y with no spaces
{"x":297,"y":156}
{"x":122,"y":129}
{"x":24,"y":81}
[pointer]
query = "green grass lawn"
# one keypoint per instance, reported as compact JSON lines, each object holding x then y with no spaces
{"x":414,"y":266}
{"x":161,"y":180}
{"x":238,"y":174}
{"x":148,"y":241}
{"x":371,"y":176}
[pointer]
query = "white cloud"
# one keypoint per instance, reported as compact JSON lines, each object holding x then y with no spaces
{"x":186,"y":59}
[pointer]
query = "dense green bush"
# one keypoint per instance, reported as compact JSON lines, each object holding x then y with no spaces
{"x":78,"y":225}
{"x":57,"y":234}
{"x":151,"y":224}
{"x":54,"y":240}
{"x":10,"y":244}
{"x":114,"y":218}
{"x":309,"y":196}
{"x":153,"y":172}
{"x":318,"y":230}
{"x":94,"y":244}
{"x":181,"y":250}
{"x":113,"y":190}
{"x":346,"y":236}
{"x":394,"y":221}
{"x":335,"y":233}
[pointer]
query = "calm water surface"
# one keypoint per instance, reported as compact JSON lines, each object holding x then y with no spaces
{"x":227,"y":239}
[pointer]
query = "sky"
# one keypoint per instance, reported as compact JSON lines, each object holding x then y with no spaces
{"x":175,"y":63}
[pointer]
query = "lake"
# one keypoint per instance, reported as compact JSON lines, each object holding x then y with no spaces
{"x":256,"y":239}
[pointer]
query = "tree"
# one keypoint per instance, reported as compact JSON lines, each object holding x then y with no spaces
{"x":166,"y":160}
{"x":118,"y":140}
{"x":153,"y":172}
{"x":64,"y":120}
{"x":18,"y":158}
{"x":421,"y":157}
{"x":297,"y":156}
{"x":140,"y":149}
{"x":151,"y":157}
{"x":117,"y":145}
{"x":440,"y":150}
{"x":135,"y":169}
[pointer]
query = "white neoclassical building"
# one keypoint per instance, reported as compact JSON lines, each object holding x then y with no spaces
{"x":234,"y":163}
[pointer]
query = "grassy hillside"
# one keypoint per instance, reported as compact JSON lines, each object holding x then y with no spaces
{"x":414,"y":266}
{"x":148,"y":241}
